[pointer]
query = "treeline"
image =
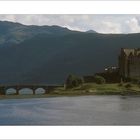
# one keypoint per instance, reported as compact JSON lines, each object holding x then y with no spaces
{"x":75,"y":81}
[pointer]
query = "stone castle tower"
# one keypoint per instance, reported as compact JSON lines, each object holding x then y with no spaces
{"x":129,"y":63}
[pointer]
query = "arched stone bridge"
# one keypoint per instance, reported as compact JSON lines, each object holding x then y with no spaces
{"x":47,"y":88}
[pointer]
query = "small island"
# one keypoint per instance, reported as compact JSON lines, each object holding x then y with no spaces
{"x":121,"y":80}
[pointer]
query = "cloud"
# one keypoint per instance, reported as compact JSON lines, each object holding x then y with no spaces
{"x":109,"y":27}
{"x":133,"y":25}
{"x":99,"y":23}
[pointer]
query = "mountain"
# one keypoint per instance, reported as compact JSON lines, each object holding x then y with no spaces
{"x":91,"y":31}
{"x":14,"y":33}
{"x":54,"y":52}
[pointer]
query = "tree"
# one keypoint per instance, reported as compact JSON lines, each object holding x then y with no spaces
{"x":128,"y":85}
{"x":73,"y":81}
{"x":99,"y":79}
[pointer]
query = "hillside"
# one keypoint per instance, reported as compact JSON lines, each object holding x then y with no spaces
{"x":49,"y":56}
{"x":14,"y":33}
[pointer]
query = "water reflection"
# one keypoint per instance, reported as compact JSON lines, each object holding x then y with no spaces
{"x":130,"y":103}
{"x":79,"y":110}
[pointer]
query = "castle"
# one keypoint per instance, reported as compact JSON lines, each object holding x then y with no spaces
{"x":128,"y":67}
{"x":129,"y":63}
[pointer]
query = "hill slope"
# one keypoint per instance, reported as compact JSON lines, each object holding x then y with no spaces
{"x":14,"y":33}
{"x":50,"y":58}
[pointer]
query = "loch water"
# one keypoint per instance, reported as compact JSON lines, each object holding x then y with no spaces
{"x":79,"y":110}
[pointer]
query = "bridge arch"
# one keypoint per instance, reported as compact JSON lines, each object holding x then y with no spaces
{"x":10,"y":91}
{"x":25,"y":90}
{"x":40,"y":90}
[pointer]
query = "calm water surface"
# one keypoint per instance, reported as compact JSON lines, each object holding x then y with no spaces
{"x":80,"y":110}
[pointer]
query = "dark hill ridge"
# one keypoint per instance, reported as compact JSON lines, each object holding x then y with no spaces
{"x":14,"y":33}
{"x":50,"y":57}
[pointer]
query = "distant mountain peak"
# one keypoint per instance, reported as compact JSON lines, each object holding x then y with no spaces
{"x":91,"y":31}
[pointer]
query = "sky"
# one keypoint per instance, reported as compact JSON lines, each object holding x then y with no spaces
{"x":99,"y":23}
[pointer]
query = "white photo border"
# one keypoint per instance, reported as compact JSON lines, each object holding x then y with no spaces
{"x":70,"y":132}
{"x":70,"y":7}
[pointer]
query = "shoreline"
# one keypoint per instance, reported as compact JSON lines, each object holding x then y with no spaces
{"x":54,"y":95}
{"x":87,"y":89}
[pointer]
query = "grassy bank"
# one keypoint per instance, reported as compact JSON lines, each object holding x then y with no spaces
{"x":101,"y":89}
{"x":85,"y":89}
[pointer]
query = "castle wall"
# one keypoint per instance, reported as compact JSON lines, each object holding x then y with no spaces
{"x":134,"y":68}
{"x":129,"y":63}
{"x":123,"y":65}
